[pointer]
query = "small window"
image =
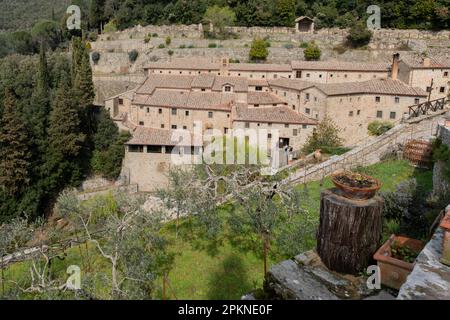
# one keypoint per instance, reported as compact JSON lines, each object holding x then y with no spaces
{"x":320,"y":76}
{"x":286,"y":125}
{"x":442,"y":89}
{"x":429,"y":89}
{"x":446,"y":74}
{"x":307,"y":110}
{"x":162,"y":126}
{"x":228,"y":115}
{"x":416,"y":100}
{"x":148,"y":110}
{"x":284,"y":93}
{"x":256,"y":105}
{"x":203,"y":89}
{"x":392,"y":115}
{"x":377,"y":99}
{"x":169,"y":149}
{"x":345,"y":76}
{"x":227,"y":88}
{"x":350,"y":114}
{"x":174,"y":111}
{"x":269,"y":124}
{"x":247,"y":125}
{"x":295,"y":132}
{"x":210,"y":114}
{"x":187,"y":113}
{"x":154,"y":149}
{"x":379,"y":114}
{"x":298,"y":74}
{"x":141,"y":123}
{"x":305,"y":126}
{"x":307,"y":96}
{"x":135,"y":148}
{"x":358,"y":112}
{"x":293,"y":107}
{"x":174,"y":126}
{"x":269,"y":136}
{"x":397,"y":99}
{"x":120,"y":101}
{"x":308,"y":75}
{"x":159,"y":111}
{"x":225,"y":130}
{"x":274,"y":104}
{"x":258,"y":88}
{"x":275,"y":76}
{"x":184,"y":127}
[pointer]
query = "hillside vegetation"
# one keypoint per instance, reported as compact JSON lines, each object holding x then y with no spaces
{"x":402,"y":14}
{"x":23,"y":14}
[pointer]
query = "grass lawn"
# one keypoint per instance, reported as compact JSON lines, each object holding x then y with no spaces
{"x":203,"y":271}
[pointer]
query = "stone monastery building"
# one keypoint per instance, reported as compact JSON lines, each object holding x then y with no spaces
{"x":197,"y":94}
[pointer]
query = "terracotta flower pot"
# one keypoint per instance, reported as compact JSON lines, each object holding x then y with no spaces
{"x":356,"y":192}
{"x":395,"y":271}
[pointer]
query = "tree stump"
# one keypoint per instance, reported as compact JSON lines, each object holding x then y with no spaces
{"x":349,"y":231}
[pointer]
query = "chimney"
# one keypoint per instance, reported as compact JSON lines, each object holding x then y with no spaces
{"x":426,"y":62}
{"x":394,"y":70}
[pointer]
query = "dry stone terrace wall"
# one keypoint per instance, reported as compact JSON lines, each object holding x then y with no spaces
{"x":373,"y":151}
{"x":114,"y":47}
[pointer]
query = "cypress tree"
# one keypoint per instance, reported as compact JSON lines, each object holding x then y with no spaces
{"x":14,"y":153}
{"x":83,"y":81}
{"x":65,"y":136}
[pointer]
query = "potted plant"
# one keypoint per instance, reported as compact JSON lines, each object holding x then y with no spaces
{"x":396,"y":259}
{"x":356,"y":185}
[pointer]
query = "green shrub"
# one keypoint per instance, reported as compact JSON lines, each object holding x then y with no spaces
{"x":168,"y":41}
{"x":191,"y":46}
{"x":182,"y":46}
{"x":161,"y":46}
{"x":312,"y":52}
{"x":288,"y":46}
{"x":304,"y":45}
{"x":377,"y":128}
{"x":111,"y":26}
{"x":148,"y":38}
{"x":258,"y":50}
{"x":170,"y":52}
{"x":154,"y":35}
{"x":95,"y":57}
{"x":359,"y":35}
{"x":212,"y":45}
{"x":133,"y":55}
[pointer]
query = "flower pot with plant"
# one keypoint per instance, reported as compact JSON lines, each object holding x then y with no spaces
{"x":356,"y":185}
{"x":396,"y":259}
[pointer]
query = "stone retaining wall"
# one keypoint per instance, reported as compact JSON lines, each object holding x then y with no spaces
{"x":373,"y":151}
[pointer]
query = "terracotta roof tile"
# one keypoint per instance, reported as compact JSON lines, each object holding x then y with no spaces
{"x":185,"y":64}
{"x":291,"y":84}
{"x":263,"y":98}
{"x":340,"y":66}
{"x":240,"y":84}
{"x":263,"y":67}
{"x":435,"y":62}
{"x":187,"y":100}
{"x":271,"y":115}
{"x":159,"y":137}
{"x":376,"y":86}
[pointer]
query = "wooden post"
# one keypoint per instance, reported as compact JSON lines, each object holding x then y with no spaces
{"x":349,"y":231}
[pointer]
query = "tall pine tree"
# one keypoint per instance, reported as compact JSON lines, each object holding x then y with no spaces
{"x":65,"y":137}
{"x":14,"y":153}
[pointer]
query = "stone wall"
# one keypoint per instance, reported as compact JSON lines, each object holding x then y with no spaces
{"x":372,"y":151}
{"x":441,"y":184}
{"x":114,"y":47}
